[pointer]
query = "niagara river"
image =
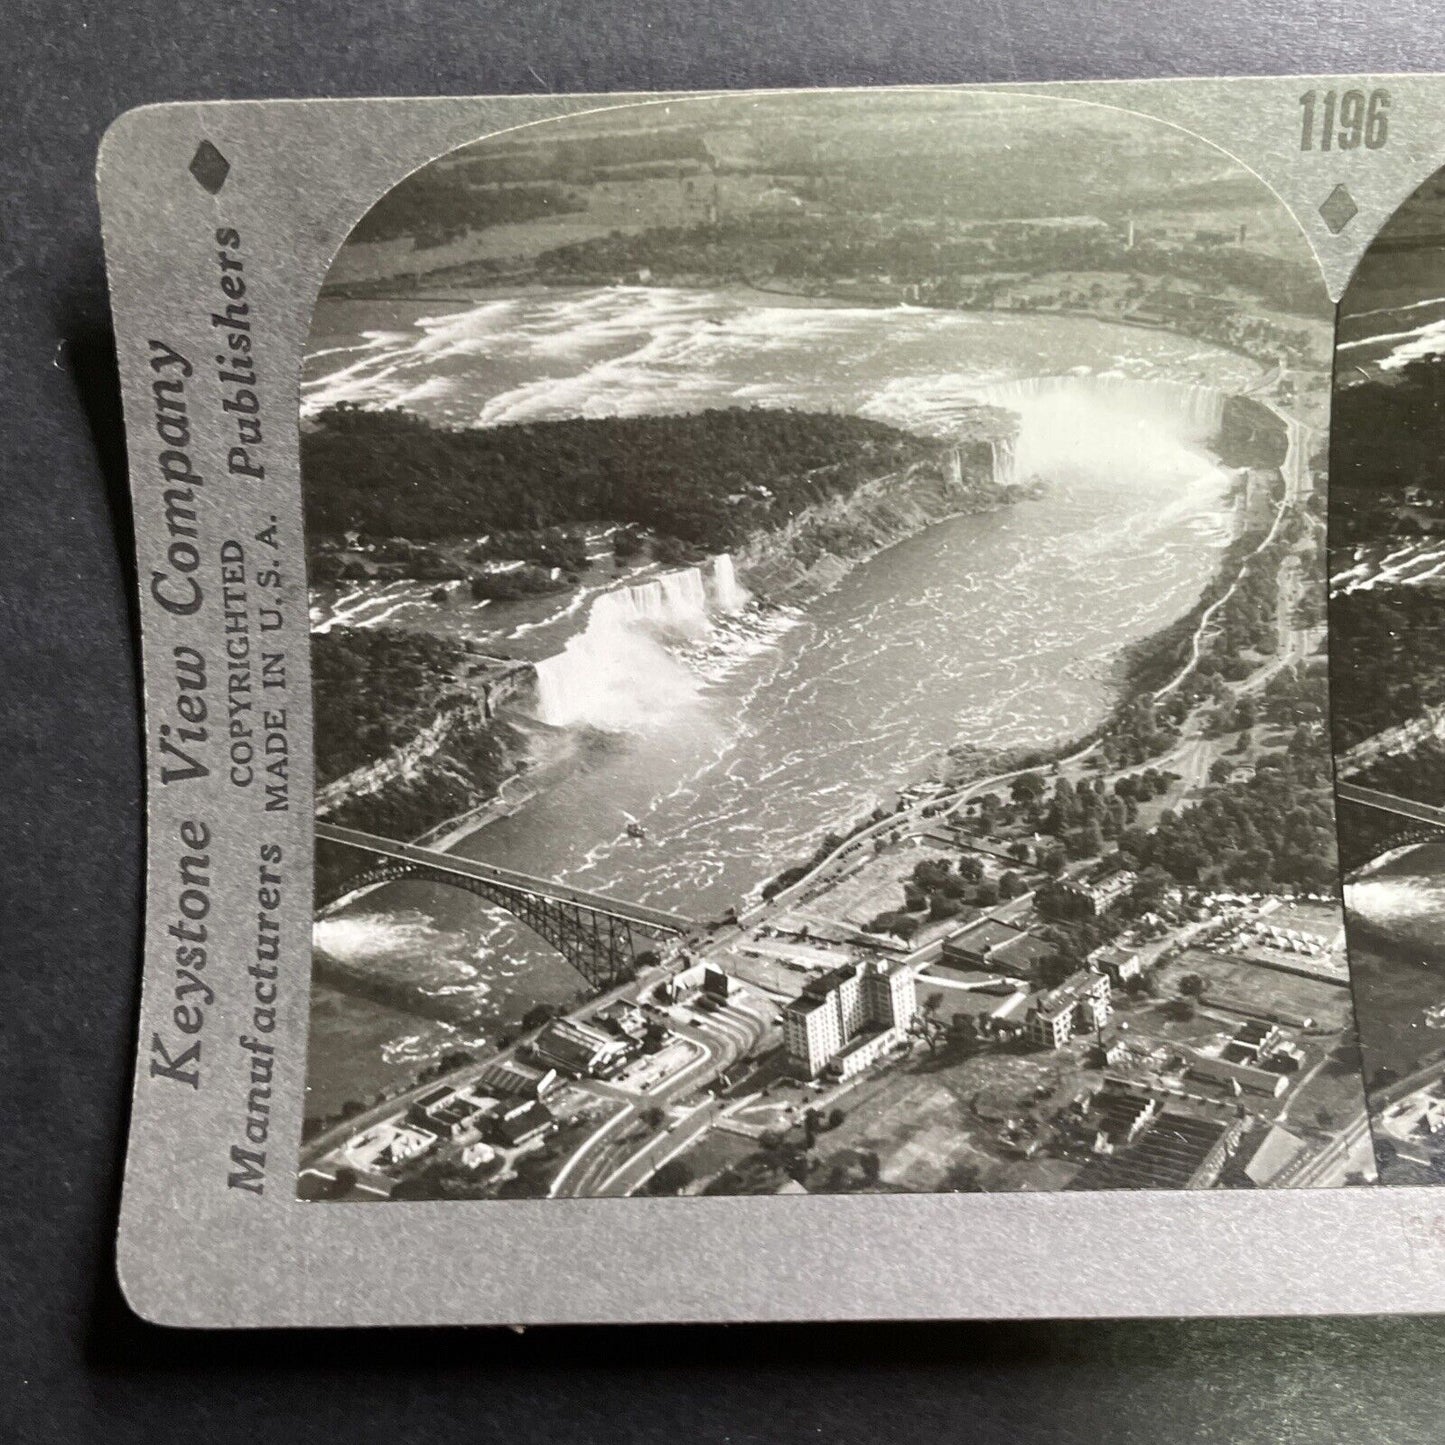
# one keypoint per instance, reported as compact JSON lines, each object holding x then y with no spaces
{"x":735,"y":735}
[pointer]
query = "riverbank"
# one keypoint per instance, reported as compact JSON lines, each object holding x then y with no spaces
{"x":1140,"y":726}
{"x":789,"y":564}
{"x":810,"y":556}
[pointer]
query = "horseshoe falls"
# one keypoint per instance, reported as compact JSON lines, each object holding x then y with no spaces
{"x":1130,"y":426}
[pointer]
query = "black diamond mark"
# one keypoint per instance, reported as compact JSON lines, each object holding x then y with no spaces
{"x":209,"y":167}
{"x":1338,"y":209}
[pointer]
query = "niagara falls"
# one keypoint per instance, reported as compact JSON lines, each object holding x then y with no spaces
{"x":735,"y":734}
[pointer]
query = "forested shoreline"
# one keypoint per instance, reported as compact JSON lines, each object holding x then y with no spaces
{"x":711,"y":478}
{"x":389,"y":495}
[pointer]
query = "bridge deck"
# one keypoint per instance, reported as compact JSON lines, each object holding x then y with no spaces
{"x":504,"y":877}
{"x":1390,"y":803}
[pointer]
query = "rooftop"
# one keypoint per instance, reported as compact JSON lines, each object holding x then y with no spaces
{"x":517,"y":1123}
{"x":826,"y":983}
{"x":574,"y":1045}
{"x":807,"y":1002}
{"x":1113,"y":953}
{"x":578,"y":1032}
{"x":1167,"y":1155}
{"x":1024,"y":950}
{"x":508,"y":1076}
{"x":980,"y":937}
{"x":1077,"y":986}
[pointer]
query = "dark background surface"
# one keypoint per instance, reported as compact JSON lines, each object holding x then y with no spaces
{"x":74,"y":1364}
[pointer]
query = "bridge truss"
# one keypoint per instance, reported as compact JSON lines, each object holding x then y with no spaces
{"x":1419,"y":822}
{"x":603,"y":947}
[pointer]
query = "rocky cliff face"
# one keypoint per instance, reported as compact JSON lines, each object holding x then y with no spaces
{"x":809,"y":554}
{"x":1403,"y":738}
{"x":452,"y":726}
{"x":450,"y":768}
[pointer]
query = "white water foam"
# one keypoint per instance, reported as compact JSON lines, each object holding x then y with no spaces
{"x":1117,"y":426}
{"x":629,"y":351}
{"x":625,"y":669}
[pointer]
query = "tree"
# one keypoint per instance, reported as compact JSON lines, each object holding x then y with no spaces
{"x":1019,"y":852}
{"x":941,"y":906}
{"x":927,"y":1025}
{"x":961,"y":1178}
{"x":1192,"y":986}
{"x":871,"y":1166}
{"x":1219,"y":771}
{"x":1011,"y":885}
{"x":1027,"y":788}
{"x":963,"y":1029}
{"x":930,"y":873}
{"x":653,"y":1116}
{"x":1150,"y":888}
{"x":1086,"y":842}
{"x":671,"y":1178}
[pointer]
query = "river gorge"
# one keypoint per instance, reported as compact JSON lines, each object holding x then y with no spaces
{"x":734,"y":727}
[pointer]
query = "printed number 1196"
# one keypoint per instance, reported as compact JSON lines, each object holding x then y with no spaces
{"x":1346,"y":122}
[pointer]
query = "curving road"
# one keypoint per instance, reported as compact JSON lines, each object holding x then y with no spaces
{"x":1297,"y":483}
{"x":608,"y":1164}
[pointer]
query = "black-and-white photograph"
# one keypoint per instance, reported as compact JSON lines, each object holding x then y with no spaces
{"x":818,"y":630}
{"x":1387,"y":620}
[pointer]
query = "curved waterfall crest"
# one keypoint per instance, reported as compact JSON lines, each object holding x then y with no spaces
{"x":619,"y":671}
{"x":1113,"y":418}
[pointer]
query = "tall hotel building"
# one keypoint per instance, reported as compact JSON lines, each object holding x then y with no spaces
{"x":844,"y":1020}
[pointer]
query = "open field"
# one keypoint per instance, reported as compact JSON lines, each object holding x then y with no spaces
{"x":1229,"y":981}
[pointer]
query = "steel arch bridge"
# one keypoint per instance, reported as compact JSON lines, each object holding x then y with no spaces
{"x":1419,"y":822}
{"x":600,"y":937}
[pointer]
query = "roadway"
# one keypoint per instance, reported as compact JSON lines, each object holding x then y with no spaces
{"x":1356,"y":1141}
{"x":608,"y":1164}
{"x":1295,"y":472}
{"x":1351,"y":1151}
{"x":547,"y":888}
